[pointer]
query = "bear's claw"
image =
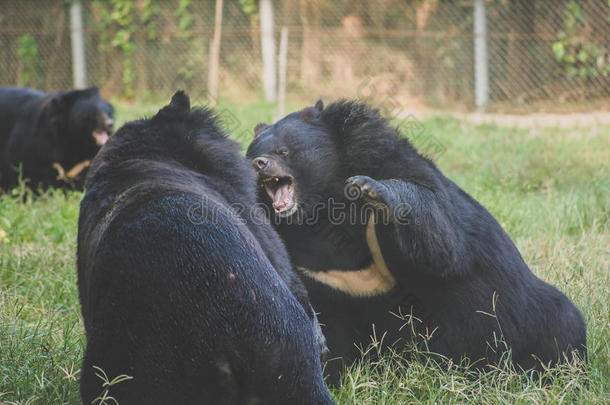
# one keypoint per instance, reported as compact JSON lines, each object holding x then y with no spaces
{"x":364,"y":187}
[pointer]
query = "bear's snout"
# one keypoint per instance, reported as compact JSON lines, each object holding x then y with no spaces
{"x":260,"y":163}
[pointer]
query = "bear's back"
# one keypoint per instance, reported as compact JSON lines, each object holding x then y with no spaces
{"x":12,"y":101}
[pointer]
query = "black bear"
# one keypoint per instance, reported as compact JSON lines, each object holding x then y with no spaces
{"x":52,"y":136}
{"x":390,"y":247}
{"x":185,"y":291}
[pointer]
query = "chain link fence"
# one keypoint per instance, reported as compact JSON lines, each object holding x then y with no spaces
{"x":419,"y":51}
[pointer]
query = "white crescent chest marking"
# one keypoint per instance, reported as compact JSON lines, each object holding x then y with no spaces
{"x":375,"y":279}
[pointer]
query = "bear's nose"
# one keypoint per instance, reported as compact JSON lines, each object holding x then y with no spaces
{"x":260,"y":163}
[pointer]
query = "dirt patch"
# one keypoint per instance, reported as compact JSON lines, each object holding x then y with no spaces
{"x":534,"y":120}
{"x":592,"y":119}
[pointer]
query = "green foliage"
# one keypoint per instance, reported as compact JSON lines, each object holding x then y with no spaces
{"x":185,"y":19}
{"x":249,"y":7}
{"x":120,"y":20}
{"x":194,"y":59}
{"x":27,"y":50}
{"x":577,"y":55}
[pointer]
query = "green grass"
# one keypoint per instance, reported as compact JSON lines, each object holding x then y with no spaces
{"x":550,"y":189}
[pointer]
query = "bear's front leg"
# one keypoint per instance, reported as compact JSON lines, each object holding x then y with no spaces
{"x":420,"y":221}
{"x":387,"y":195}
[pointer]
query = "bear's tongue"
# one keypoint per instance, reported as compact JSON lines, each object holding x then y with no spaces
{"x":282,"y":197}
{"x":101,"y":137}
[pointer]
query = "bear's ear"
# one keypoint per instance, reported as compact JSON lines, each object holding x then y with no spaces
{"x":180,"y":101}
{"x":180,"y":104}
{"x":90,"y":91}
{"x":319,"y":105}
{"x":311,"y":113}
{"x":72,"y":95}
{"x":260,"y":127}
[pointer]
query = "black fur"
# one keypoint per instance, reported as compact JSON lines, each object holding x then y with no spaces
{"x":460,"y":280}
{"x":180,"y":287}
{"x":38,"y":130}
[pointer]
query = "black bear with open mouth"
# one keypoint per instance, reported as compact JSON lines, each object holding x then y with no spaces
{"x":390,"y":247}
{"x":183,"y":289}
{"x":51,"y":137}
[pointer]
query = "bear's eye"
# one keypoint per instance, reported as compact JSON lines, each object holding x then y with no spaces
{"x":282,"y":151}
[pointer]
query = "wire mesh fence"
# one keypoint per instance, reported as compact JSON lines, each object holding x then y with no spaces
{"x":418,"y":51}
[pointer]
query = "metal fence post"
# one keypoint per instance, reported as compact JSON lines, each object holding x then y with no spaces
{"x":215,"y":57}
{"x":268,"y":50}
{"x":481,"y":68}
{"x":281,"y":88}
{"x":79,"y":64}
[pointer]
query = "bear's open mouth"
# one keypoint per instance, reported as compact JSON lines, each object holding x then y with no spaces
{"x":100,"y":137}
{"x":281,"y":191}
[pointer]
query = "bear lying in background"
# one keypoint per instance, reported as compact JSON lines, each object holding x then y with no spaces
{"x":181,"y":286}
{"x":52,"y":136}
{"x":413,"y":257}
